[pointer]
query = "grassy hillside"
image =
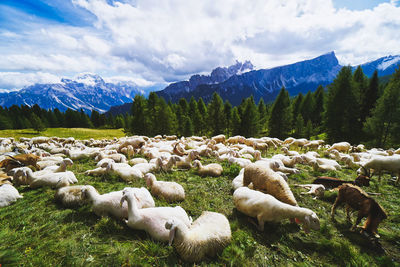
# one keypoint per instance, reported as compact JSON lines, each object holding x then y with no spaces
{"x":36,"y":231}
{"x":77,"y":133}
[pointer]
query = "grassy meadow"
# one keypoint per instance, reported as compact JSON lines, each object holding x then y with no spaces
{"x":36,"y":231}
{"x":77,"y":133}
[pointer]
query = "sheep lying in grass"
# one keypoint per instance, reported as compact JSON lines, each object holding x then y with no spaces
{"x":170,"y":191}
{"x":20,"y":160}
{"x":266,"y":208}
{"x":317,"y":190}
{"x":70,"y":196}
{"x":109,"y":203}
{"x":268,"y":181}
{"x":8,"y":195}
{"x":354,"y":197}
{"x":152,"y":220}
{"x":213,"y":169}
{"x":207,"y":236}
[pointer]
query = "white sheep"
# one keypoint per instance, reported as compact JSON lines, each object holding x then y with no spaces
{"x":109,"y":203}
{"x":317,"y":190}
{"x":382,"y":163}
{"x":341,"y":147}
{"x":152,"y":220}
{"x":266,"y":208}
{"x":8,"y":195}
{"x":126,"y":173}
{"x":321,"y":167}
{"x":238,"y":180}
{"x":70,"y":196}
{"x":265,"y":179}
{"x":135,"y":161}
{"x":207,"y":236}
{"x":170,"y":191}
{"x":213,"y":169}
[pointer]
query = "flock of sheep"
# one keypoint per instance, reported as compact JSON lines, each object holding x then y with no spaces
{"x":261,"y":190}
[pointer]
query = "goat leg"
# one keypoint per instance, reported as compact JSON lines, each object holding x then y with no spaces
{"x":359,"y":217}
{"x":348,"y":213}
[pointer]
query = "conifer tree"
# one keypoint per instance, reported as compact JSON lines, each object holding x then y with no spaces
{"x":216,"y":118}
{"x":37,"y":123}
{"x":342,"y":110}
{"x":139,"y":124}
{"x":309,"y":130}
{"x":203,"y":115}
{"x":384,"y":124}
{"x":299,"y":127}
{"x":371,"y":96}
{"x":188,"y":127}
{"x":236,"y":130}
{"x":250,"y":120}
{"x":152,"y":105}
{"x":307,"y":107}
{"x":166,"y":119}
{"x":279,"y":123}
{"x":262,"y":114}
{"x":296,"y":108}
{"x":361,"y":86}
{"x":228,"y":117}
{"x":318,"y":110}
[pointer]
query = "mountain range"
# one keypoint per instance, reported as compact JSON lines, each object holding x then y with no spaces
{"x":86,"y":92}
{"x":90,"y":91}
{"x":299,"y":77}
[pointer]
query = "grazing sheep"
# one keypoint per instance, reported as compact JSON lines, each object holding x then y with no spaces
{"x":219,"y":138}
{"x":170,"y":191}
{"x":267,"y":208}
{"x":109,"y":203}
{"x":152,"y":220}
{"x":382,"y":163}
{"x":207,"y":236}
{"x":354,"y":197}
{"x":8,"y":195}
{"x":213,"y":169}
{"x":265,"y":179}
{"x":70,"y":196}
{"x":341,"y":147}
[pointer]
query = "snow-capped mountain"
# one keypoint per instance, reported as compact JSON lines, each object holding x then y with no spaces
{"x":384,"y":66}
{"x":264,"y":83}
{"x":86,"y":91}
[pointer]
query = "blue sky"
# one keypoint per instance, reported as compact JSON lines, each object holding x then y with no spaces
{"x":153,"y":42}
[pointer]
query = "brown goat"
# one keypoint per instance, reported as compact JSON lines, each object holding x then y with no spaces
{"x":356,"y":199}
{"x":331,"y":182}
{"x":20,"y":161}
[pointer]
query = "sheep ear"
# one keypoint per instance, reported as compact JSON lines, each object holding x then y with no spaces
{"x":172,"y":234}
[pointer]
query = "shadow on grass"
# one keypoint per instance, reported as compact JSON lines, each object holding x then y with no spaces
{"x":30,"y":133}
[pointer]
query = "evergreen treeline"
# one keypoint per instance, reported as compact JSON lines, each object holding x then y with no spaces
{"x":352,"y":108}
{"x":23,"y":117}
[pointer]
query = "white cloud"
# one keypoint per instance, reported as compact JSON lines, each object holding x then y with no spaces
{"x":159,"y":41}
{"x":12,"y":80}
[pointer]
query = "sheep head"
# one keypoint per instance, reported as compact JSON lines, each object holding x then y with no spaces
{"x":310,"y":221}
{"x":150,"y":179}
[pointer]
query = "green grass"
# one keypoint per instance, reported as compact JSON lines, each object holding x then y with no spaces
{"x":36,"y":231}
{"x":77,"y":133}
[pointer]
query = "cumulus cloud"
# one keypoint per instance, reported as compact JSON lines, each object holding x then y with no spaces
{"x":163,"y":41}
{"x":13,"y":80}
